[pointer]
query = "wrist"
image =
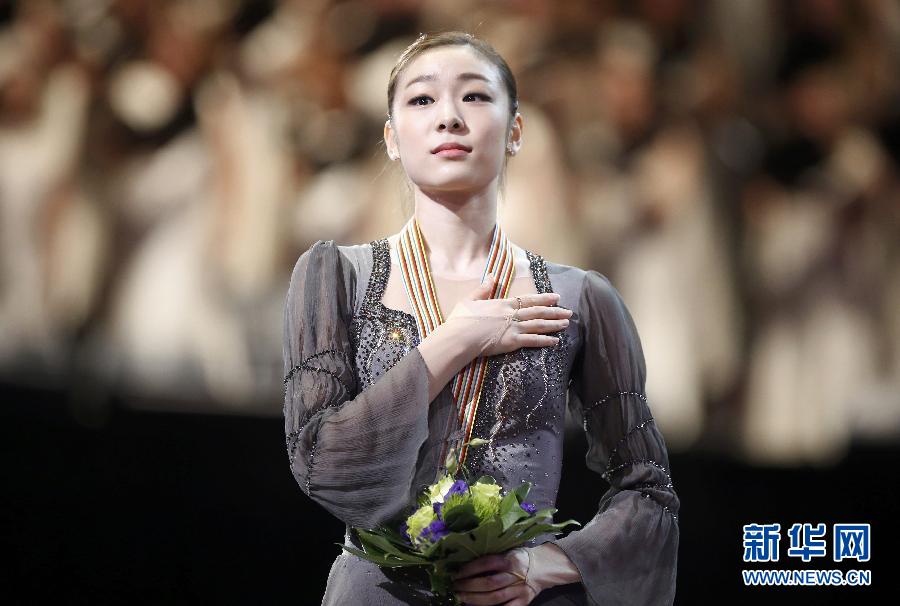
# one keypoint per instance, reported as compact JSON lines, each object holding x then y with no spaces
{"x":458,"y":341}
{"x":446,"y":344}
{"x":551,"y":566}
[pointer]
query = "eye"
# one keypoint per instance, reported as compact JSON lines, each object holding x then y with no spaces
{"x":421,"y":100}
{"x":476,"y":97}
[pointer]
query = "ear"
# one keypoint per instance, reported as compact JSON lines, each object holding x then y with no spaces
{"x":514,"y":141}
{"x":390,"y":140}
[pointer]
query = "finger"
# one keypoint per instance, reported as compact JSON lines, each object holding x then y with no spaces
{"x":486,"y":583}
{"x":542,"y":326}
{"x":492,"y":563}
{"x":544,"y":312}
{"x":490,"y":598}
{"x":546,"y":298}
{"x":533,"y":340}
{"x":483,"y":290}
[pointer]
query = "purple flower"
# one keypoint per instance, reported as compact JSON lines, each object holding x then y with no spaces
{"x":437,"y":508}
{"x":434,"y":531}
{"x":404,"y":530}
{"x":529,"y":507}
{"x":458,"y":487}
{"x":438,"y":530}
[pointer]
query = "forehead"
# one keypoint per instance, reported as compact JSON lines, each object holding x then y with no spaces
{"x":446,"y":62}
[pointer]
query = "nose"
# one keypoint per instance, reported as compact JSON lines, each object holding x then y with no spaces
{"x":450,"y":123}
{"x":450,"y":118}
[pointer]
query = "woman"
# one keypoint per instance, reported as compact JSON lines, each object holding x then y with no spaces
{"x":378,"y":384}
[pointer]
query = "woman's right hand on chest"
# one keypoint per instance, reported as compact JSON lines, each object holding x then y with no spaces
{"x":488,"y":325}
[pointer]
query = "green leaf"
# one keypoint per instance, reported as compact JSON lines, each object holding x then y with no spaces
{"x":511,"y":510}
{"x":460,"y":518}
{"x":486,"y":480}
{"x":508,"y":503}
{"x":394,"y":536}
{"x":527,"y":529}
{"x":561,"y":525}
{"x":382,"y":560}
{"x":545,"y":513}
{"x":513,"y":515}
{"x":531,"y":533}
{"x":379,"y":542}
{"x":522,"y":490}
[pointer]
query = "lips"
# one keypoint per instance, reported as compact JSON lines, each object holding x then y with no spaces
{"x":451,"y":146}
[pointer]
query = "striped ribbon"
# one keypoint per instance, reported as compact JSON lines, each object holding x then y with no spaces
{"x":416,"y":271}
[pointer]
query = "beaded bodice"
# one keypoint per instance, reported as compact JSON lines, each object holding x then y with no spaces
{"x":522,"y":409}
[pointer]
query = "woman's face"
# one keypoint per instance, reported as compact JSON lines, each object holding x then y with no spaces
{"x":450,"y":121}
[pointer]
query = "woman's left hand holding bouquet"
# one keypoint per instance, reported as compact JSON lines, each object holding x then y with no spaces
{"x":520,"y":574}
{"x":507,"y":585}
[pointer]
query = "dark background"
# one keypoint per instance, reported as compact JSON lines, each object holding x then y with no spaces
{"x":766,"y":131}
{"x":117,"y":506}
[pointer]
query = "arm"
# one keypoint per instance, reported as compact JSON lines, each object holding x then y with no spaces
{"x":627,"y":554}
{"x":353,"y":453}
{"x":445,"y":352}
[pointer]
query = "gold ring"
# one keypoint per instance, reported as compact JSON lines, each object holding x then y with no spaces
{"x":521,"y":580}
{"x":515,"y":317}
{"x":518,"y":303}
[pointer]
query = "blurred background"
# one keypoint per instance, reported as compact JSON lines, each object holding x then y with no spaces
{"x":730,"y":165}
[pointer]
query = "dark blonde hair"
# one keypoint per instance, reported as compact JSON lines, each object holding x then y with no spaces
{"x":426,"y":42}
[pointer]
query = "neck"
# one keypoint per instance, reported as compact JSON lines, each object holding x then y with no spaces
{"x":457,"y":228}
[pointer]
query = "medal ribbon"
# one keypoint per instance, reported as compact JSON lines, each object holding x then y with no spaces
{"x":416,"y":271}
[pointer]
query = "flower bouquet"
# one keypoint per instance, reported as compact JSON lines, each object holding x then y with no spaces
{"x":454,"y":522}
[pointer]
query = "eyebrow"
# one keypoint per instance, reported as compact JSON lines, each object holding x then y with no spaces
{"x":433,"y":77}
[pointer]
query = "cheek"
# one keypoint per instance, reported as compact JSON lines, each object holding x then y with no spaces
{"x":409,"y":130}
{"x":493,"y":141}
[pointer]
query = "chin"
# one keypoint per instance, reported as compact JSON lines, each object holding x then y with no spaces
{"x":458,"y":179}
{"x":457,"y":186}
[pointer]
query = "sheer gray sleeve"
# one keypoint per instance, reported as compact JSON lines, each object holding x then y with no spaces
{"x":352,"y":452}
{"x":627,"y":554}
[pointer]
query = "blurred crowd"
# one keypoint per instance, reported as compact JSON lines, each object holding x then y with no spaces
{"x":731,"y":166}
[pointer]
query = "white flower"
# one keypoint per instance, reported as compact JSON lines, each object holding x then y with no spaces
{"x":437,"y":491}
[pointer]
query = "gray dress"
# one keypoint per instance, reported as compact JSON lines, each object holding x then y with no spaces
{"x":363,"y":439}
